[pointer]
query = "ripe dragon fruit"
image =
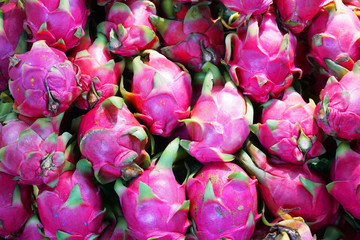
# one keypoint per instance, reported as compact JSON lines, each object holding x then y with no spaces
{"x":345,"y":175}
{"x":327,"y":42}
{"x":193,"y":41}
{"x":288,"y":128}
{"x":127,"y":27}
{"x":72,"y":210}
{"x":31,"y":230}
{"x":60,"y":23}
{"x":15,"y":205}
{"x":154,"y":204}
{"x":43,"y":81}
{"x":12,"y":37}
{"x":164,"y":97}
{"x":290,"y":186}
{"x":219,"y":122}
{"x":112,"y":139}
{"x":99,"y":74}
{"x":262,"y":59}
{"x":338,"y":112}
{"x":223,"y":202}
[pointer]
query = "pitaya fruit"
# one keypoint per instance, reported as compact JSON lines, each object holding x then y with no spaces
{"x":194,"y":40}
{"x":60,"y":23}
{"x":161,"y":92}
{"x":112,"y":139}
{"x":31,"y":230}
{"x":127,"y":27}
{"x":154,"y":204}
{"x":12,"y":37}
{"x":288,"y":128}
{"x":15,"y":205}
{"x":338,"y":112}
{"x":223,"y":202}
{"x":262,"y":59}
{"x":72,"y":210}
{"x":327,"y":42}
{"x":345,"y":177}
{"x":43,"y":81}
{"x":219,"y":122}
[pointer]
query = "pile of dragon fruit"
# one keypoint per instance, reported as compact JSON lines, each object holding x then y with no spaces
{"x":179,"y":119}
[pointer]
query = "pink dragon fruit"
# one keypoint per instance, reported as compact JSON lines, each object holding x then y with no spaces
{"x":43,"y":81}
{"x":345,"y":175}
{"x":112,"y":139}
{"x":31,"y":230}
{"x":12,"y":39}
{"x":338,"y":112}
{"x":154,"y":204}
{"x":99,"y":74}
{"x":327,"y":42}
{"x":219,"y":122}
{"x":72,"y":210}
{"x":291,"y":187}
{"x":262,"y":59}
{"x":127,"y":27}
{"x":164,"y":98}
{"x":223,"y":202}
{"x":193,"y":41}
{"x":288,"y":128}
{"x":60,"y":23}
{"x":15,"y":205}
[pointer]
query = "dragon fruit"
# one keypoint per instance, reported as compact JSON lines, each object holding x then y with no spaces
{"x":290,"y":186}
{"x":154,"y":204}
{"x":99,"y":74}
{"x":219,"y":122}
{"x":31,"y":230}
{"x":43,"y":81}
{"x":15,"y":205}
{"x":72,"y":210}
{"x":327,"y":42}
{"x":338,"y":112}
{"x":262,"y":59}
{"x":12,"y":37}
{"x":193,"y":41}
{"x":345,"y":175}
{"x":112,"y":139}
{"x":288,"y":128}
{"x":223,"y":202}
{"x":164,"y":97}
{"x":127,"y":27}
{"x":60,"y":23}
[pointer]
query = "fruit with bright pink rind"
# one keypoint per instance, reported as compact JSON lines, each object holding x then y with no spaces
{"x":154,"y":204}
{"x":31,"y":230}
{"x":288,"y":128}
{"x":60,"y":23}
{"x":15,"y":205}
{"x":262,"y":59}
{"x":164,"y":98}
{"x":111,"y":138}
{"x":223,"y":202}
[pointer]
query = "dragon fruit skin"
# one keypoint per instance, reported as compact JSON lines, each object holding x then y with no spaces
{"x":164,"y":98}
{"x":338,"y":112}
{"x":194,"y":40}
{"x":12,"y":39}
{"x":15,"y":205}
{"x":262,"y":59}
{"x":60,"y":23}
{"x":223,"y":202}
{"x":154,"y":204}
{"x":112,"y":139}
{"x":128,"y":29}
{"x":290,"y":186}
{"x":30,"y":231}
{"x":327,"y":42}
{"x":288,"y":128}
{"x":73,"y":209}
{"x":345,"y":177}
{"x":43,"y":81}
